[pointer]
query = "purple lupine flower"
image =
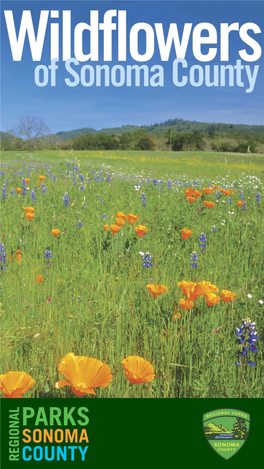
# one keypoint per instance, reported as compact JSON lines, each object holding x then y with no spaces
{"x":3,"y":260}
{"x":202,"y":239}
{"x":48,"y":255}
{"x":33,"y":196}
{"x":247,"y":337}
{"x":244,"y":207}
{"x":258,"y":197}
{"x":194,"y":259}
{"x":143,"y":199}
{"x":4,"y":192}
{"x":66,"y":199}
{"x":147,"y":260}
{"x":23,"y":185}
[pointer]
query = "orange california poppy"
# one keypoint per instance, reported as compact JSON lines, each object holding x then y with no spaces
{"x":106,"y":227}
{"x":141,"y":230}
{"x":207,"y":190}
{"x":55,"y":232}
{"x":227,"y":295}
{"x":191,"y":199}
{"x":38,"y":183}
{"x":197,"y":194}
{"x":121,"y":215}
{"x":19,"y":256}
{"x":84,"y":374}
{"x":189,"y":192}
{"x":240,"y":203}
{"x":156,"y":290}
{"x":41,"y":178}
{"x":29,"y":209}
{"x":15,"y":383}
{"x":30,"y":216}
{"x":120,"y":222}
{"x":115,"y":228}
{"x":210,"y":285}
{"x":39,"y":279}
{"x":138,"y":370}
{"x":18,"y":190}
{"x":227,"y":192}
{"x":212,"y":299}
{"x":186,"y":304}
{"x":209,"y":204}
{"x":185,"y":233}
{"x":27,"y":180}
{"x":132,"y":218}
{"x":193,"y":290}
{"x":11,"y":259}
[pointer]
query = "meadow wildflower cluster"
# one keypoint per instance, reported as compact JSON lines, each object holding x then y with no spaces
{"x":130,"y":283}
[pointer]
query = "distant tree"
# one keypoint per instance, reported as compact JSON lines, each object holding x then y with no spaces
{"x":177,"y":142}
{"x":106,"y":142}
{"x":126,"y":141}
{"x":66,"y":145}
{"x":246,"y":147}
{"x":145,"y":143}
{"x":33,"y":131}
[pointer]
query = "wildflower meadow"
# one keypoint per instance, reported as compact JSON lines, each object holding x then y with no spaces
{"x":136,"y":276}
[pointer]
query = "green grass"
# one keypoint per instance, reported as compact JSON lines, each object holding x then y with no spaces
{"x":117,"y":317}
{"x":194,"y":164}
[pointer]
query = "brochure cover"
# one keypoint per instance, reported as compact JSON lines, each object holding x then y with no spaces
{"x":132,"y":177}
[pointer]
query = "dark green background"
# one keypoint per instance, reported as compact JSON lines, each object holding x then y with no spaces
{"x":141,"y":433}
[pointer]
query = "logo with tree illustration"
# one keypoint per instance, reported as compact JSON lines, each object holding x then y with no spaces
{"x":226,"y":430}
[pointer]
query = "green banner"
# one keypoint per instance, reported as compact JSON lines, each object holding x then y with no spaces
{"x":99,"y":432}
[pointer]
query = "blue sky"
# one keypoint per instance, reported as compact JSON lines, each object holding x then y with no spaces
{"x":66,"y":108}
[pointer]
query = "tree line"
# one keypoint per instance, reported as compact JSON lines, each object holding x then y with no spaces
{"x":32,"y":134}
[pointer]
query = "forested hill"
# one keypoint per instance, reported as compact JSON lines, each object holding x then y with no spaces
{"x":173,"y":125}
{"x":176,"y":125}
